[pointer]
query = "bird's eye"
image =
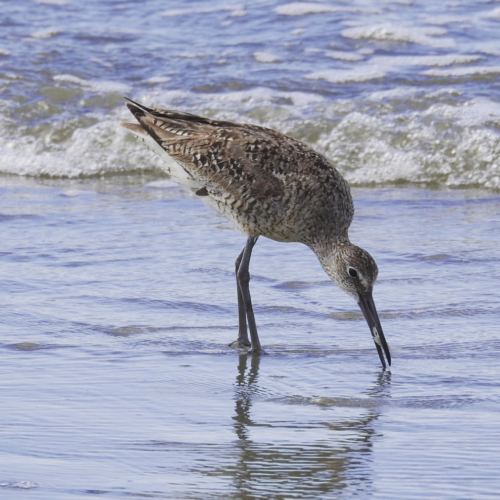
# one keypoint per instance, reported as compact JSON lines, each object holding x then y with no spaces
{"x":353,"y":272}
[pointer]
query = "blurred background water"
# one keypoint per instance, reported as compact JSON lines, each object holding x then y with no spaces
{"x":117,"y":295}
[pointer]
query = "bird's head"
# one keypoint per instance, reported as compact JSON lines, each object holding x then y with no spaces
{"x":354,"y":270}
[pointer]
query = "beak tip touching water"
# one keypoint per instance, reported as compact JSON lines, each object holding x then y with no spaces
{"x":367,"y":306}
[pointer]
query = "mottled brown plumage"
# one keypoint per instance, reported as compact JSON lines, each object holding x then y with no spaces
{"x":270,"y":185}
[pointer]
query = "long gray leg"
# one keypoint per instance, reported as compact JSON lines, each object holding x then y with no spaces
{"x":242,"y":340}
{"x":243,"y":279}
{"x":245,"y":308}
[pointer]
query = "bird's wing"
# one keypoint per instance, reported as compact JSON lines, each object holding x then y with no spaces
{"x":220,"y":156}
{"x":244,"y":163}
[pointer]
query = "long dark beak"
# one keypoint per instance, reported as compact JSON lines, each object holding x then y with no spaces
{"x":369,"y":311}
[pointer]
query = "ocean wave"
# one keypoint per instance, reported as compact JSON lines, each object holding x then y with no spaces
{"x":344,"y":76}
{"x":392,"y":33}
{"x":436,"y":138}
{"x":99,"y":86}
{"x":462,"y":72}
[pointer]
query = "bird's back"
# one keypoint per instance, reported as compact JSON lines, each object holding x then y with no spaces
{"x":267,"y":183}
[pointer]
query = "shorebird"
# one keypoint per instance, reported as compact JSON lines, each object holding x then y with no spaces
{"x":269,"y":185}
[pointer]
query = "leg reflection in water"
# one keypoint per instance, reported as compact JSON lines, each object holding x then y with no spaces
{"x":291,"y":446}
{"x":244,"y":388}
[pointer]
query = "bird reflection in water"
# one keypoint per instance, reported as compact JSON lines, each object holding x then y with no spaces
{"x":284,"y":456}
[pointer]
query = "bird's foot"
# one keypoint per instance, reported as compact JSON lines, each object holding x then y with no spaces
{"x":247,"y":346}
{"x":241,"y":344}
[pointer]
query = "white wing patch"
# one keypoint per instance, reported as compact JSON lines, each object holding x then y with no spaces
{"x":175,"y":171}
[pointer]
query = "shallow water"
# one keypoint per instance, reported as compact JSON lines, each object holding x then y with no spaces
{"x":118,"y":302}
{"x":118,"y":297}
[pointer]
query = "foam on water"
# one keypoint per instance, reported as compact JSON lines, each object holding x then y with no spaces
{"x":158,"y":79}
{"x":266,"y":57}
{"x":304,"y":8}
{"x":346,"y":76}
{"x":344,"y":55}
{"x":493,"y":14}
{"x":468,"y":71}
{"x":398,"y":62}
{"x":98,"y":86}
{"x":45,"y":33}
{"x":395,"y":33}
{"x":434,"y":139}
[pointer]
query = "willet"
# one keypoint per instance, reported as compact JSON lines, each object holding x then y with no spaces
{"x":269,"y":185}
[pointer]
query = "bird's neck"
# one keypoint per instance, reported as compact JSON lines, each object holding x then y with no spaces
{"x":329,"y":254}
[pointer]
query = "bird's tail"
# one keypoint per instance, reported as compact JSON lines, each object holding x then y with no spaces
{"x":157,"y":139}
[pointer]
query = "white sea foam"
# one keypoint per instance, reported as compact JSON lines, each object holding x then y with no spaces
{"x":4,"y":52}
{"x":477,"y":113}
{"x":313,"y":50}
{"x":344,"y":55}
{"x":446,"y":145}
{"x":158,"y":79}
{"x":192,"y":55}
{"x":392,"y":33}
{"x":428,"y":140}
{"x":362,"y":74}
{"x":302,"y":8}
{"x":252,"y":97}
{"x":467,"y":71}
{"x":234,"y":11}
{"x":238,"y":13}
{"x":45,"y":33}
{"x":103,"y":148}
{"x":493,"y":14}
{"x":71,"y":79}
{"x":441,"y":60}
{"x":266,"y":57}
{"x":99,"y":86}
